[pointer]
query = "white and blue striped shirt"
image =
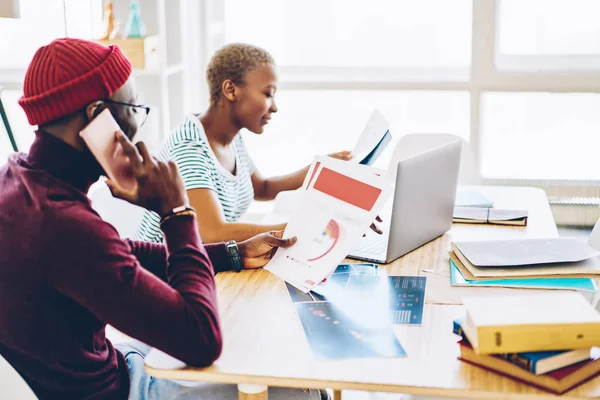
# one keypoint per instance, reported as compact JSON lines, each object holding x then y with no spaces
{"x":188,"y":147}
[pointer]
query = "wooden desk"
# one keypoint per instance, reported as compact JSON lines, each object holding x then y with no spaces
{"x":265,"y":342}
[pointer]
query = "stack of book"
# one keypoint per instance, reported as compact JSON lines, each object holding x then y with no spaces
{"x":546,"y":340}
{"x":553,"y":263}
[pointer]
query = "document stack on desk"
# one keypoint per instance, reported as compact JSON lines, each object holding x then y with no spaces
{"x":339,"y":203}
{"x":560,"y":262}
{"x":545,"y":340}
{"x":579,"y":284}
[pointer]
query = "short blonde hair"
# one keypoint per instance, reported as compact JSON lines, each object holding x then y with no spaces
{"x":233,"y":62}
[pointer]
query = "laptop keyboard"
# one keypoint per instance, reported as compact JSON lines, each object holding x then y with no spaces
{"x":373,"y":244}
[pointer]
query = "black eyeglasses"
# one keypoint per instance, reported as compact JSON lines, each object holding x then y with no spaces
{"x":140,"y":111}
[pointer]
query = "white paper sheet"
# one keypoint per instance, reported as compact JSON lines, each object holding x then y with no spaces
{"x":327,"y":227}
{"x":374,"y":131}
{"x":519,"y":252}
{"x":287,"y":203}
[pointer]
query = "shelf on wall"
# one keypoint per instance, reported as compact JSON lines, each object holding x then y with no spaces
{"x":152,"y":72}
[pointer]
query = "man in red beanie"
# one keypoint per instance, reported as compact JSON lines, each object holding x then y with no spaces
{"x":65,"y":273}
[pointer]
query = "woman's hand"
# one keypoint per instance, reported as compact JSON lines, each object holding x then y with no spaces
{"x":257,"y":251}
{"x":342,"y":155}
{"x":374,"y":227}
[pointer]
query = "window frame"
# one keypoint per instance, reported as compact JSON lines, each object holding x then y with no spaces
{"x":489,"y":72}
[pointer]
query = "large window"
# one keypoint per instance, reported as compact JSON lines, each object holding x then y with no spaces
{"x":518,"y":78}
{"x":542,"y":27}
{"x":326,"y":121}
{"x":342,"y":33}
{"x":550,"y":136}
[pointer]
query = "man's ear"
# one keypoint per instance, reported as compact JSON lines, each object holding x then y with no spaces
{"x":93,"y":109}
{"x":230,"y":90}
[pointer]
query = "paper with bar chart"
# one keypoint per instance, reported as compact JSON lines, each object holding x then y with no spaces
{"x":340,"y":202}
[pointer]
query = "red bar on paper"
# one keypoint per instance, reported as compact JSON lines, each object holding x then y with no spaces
{"x":347,"y":189}
{"x":312,"y":176}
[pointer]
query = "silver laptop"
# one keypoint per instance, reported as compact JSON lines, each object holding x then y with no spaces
{"x":421,"y":209}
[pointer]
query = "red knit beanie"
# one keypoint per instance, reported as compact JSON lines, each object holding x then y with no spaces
{"x":67,"y":75}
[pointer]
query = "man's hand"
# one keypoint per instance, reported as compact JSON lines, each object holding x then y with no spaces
{"x":257,"y":251}
{"x":342,"y":155}
{"x":159,"y":185}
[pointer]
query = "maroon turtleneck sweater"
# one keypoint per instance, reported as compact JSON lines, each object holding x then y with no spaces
{"x":65,"y":274}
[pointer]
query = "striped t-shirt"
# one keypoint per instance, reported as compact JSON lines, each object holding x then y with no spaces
{"x":188,"y":147}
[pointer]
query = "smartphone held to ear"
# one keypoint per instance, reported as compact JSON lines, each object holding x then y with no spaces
{"x":100,"y":137}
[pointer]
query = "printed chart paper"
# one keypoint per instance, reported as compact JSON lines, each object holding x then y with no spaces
{"x":340,"y":203}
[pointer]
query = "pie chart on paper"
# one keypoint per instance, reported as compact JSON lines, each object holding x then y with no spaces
{"x":326,"y":240}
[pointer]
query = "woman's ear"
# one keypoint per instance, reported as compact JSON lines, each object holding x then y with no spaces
{"x":230,"y":90}
{"x":93,"y":109}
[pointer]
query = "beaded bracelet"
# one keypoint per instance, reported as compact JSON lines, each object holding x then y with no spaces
{"x":177,"y":212}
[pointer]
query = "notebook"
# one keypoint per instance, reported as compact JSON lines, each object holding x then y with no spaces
{"x":531,"y":322}
{"x":494,"y":216}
